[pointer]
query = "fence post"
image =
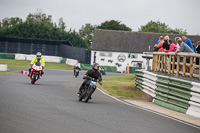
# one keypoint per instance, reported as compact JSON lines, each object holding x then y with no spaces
{"x":153,"y":62}
{"x":162,"y":63}
{"x":165,"y":63}
{"x":178,"y":65}
{"x":199,"y":68}
{"x":173,"y":65}
{"x":191,"y":66}
{"x":184,"y":65}
{"x":156,"y":63}
{"x":159,"y":63}
{"x":169,"y":68}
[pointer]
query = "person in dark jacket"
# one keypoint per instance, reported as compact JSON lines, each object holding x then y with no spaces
{"x":198,"y":51}
{"x":165,"y":44}
{"x":92,"y":73}
{"x":78,"y":68}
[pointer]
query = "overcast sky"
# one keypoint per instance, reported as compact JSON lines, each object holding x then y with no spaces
{"x":183,"y":14}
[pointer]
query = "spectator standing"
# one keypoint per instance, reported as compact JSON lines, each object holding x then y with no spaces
{"x":198,"y":51}
{"x":127,"y":68}
{"x":172,"y":47}
{"x":177,"y":45}
{"x":193,"y":46}
{"x":165,"y":44}
{"x":184,"y":48}
{"x":188,"y":42}
{"x":160,"y":44}
{"x":159,"y":39}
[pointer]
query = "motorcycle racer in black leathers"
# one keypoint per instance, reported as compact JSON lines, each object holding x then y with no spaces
{"x":93,"y":73}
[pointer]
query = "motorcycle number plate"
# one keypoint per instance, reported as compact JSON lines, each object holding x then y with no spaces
{"x":92,"y":83}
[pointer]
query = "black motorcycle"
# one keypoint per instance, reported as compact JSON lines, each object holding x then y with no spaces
{"x":103,"y":72}
{"x":88,"y":90}
{"x":76,"y":73}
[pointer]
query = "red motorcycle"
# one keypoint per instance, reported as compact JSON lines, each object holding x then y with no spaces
{"x":35,"y":72}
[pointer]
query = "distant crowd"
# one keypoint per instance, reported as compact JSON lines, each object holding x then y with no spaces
{"x":182,"y":44}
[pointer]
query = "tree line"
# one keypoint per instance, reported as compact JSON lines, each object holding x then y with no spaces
{"x":40,"y":26}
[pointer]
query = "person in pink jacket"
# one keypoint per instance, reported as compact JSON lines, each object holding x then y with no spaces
{"x":172,"y":47}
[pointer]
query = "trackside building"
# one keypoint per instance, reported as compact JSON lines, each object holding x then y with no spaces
{"x":119,"y":48}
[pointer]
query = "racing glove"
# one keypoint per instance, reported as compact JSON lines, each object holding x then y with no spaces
{"x":100,"y":83}
{"x":85,"y":76}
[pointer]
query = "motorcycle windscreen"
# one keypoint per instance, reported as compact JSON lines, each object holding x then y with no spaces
{"x":38,"y":63}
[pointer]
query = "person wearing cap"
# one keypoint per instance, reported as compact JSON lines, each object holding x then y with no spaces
{"x":37,"y":58}
{"x":184,"y":48}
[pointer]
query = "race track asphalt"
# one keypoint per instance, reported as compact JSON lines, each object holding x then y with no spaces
{"x":51,"y":106}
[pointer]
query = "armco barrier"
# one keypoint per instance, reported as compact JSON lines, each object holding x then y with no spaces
{"x":63,"y":60}
{"x":173,"y":93}
{"x":52,"y":59}
{"x":46,"y":58}
{"x":7,"y":56}
{"x":107,"y":68}
{"x":132,"y":69}
{"x":3,"y":67}
{"x":110,"y":68}
{"x":71,"y":62}
{"x":20,"y":57}
{"x":56,"y":59}
{"x":85,"y":66}
{"x":29,"y":57}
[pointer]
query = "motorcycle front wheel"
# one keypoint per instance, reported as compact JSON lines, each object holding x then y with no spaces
{"x":34,"y":78}
{"x":83,"y":93}
{"x":88,"y":94}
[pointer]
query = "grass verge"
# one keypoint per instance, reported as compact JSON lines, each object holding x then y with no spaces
{"x":122,"y":87}
{"x":9,"y":72}
{"x":26,"y":64}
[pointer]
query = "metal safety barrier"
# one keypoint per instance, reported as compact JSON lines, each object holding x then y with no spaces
{"x":172,"y":93}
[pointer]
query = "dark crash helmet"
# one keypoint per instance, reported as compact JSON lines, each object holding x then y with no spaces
{"x":95,"y":66}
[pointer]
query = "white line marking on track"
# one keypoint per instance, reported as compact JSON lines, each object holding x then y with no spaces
{"x":129,"y":104}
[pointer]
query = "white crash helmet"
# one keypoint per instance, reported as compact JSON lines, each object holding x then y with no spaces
{"x":38,"y":55}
